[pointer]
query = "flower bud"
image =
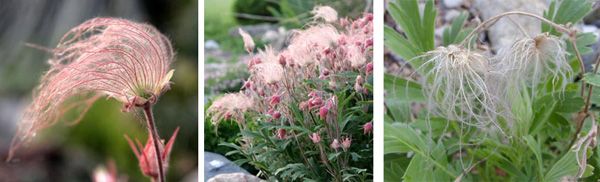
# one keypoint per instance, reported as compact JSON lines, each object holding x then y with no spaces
{"x":147,"y":155}
{"x":368,"y":17}
{"x":281,"y":134}
{"x":282,"y":61}
{"x":369,"y":42}
{"x":315,"y":137}
{"x":346,"y":143}
{"x":335,"y":144}
{"x":275,"y":99}
{"x":271,"y":112}
{"x":343,"y":22}
{"x":368,"y":127}
{"x":323,"y":112}
{"x":276,"y":115}
{"x":369,"y":67}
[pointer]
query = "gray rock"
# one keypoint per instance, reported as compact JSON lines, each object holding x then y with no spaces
{"x":505,"y":30}
{"x":254,"y":30}
{"x":235,"y":177}
{"x":450,"y":15}
{"x":452,"y":3}
{"x":215,"y":164}
{"x":211,"y":45}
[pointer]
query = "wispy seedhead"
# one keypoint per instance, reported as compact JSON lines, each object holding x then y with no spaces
{"x":234,"y":104}
{"x":455,"y":84}
{"x":326,"y":13}
{"x":248,"y":42}
{"x":118,"y":58}
{"x":542,"y":59}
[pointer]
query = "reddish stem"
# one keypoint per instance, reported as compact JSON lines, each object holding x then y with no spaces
{"x":155,"y":139}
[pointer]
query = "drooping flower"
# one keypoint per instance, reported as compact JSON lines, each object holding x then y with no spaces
{"x":326,"y":13}
{"x":276,"y":115}
{"x":281,"y":134}
{"x":315,"y":137}
{"x":147,"y":155}
{"x":275,"y":99}
{"x":248,"y":42}
{"x":335,"y":144}
{"x":368,"y":127}
{"x":118,"y":58}
{"x":102,"y":174}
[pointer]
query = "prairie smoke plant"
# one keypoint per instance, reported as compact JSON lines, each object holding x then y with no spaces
{"x":302,"y":99}
{"x":146,"y":155}
{"x":109,"y":57}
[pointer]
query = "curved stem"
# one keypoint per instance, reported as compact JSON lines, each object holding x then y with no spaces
{"x":155,"y":139}
{"x":581,"y":65}
{"x":493,"y":19}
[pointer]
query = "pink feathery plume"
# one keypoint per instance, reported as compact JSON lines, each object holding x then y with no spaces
{"x":118,"y":58}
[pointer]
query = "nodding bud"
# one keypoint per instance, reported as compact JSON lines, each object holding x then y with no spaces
{"x":323,"y":112}
{"x":369,"y":67}
{"x":147,"y":155}
{"x":368,"y":17}
{"x":313,"y":93}
{"x":228,"y":115}
{"x":322,"y":77}
{"x":276,"y":115}
{"x":368,"y":127}
{"x":327,"y":51}
{"x":281,"y":134}
{"x":248,"y":84}
{"x":358,"y":43}
{"x":275,"y":99}
{"x":271,"y":112}
{"x":314,"y":102}
{"x":325,"y":72}
{"x":282,"y":61}
{"x":315,"y":137}
{"x":346,"y":143}
{"x":369,"y":42}
{"x":335,"y":144}
{"x":343,"y":22}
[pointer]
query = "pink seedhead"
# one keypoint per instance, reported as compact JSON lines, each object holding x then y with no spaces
{"x":346,"y":143}
{"x":326,"y":13}
{"x":147,"y":155}
{"x":248,"y":42}
{"x":231,"y":105}
{"x":118,"y":58}
{"x":335,"y":144}
{"x":368,"y":127}
{"x":315,"y":137}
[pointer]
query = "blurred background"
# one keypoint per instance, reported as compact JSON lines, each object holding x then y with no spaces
{"x":269,"y":22}
{"x":71,"y":153}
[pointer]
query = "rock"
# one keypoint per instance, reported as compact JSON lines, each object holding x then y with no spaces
{"x":235,"y":177}
{"x":211,"y":45}
{"x":505,"y":30}
{"x":452,"y":3}
{"x":254,"y":30}
{"x":450,"y":15}
{"x":215,"y":164}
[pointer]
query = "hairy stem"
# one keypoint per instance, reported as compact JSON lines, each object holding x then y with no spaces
{"x":587,"y":104}
{"x":155,"y":139}
{"x":483,"y":25}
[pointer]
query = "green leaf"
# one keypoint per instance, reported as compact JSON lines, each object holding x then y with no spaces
{"x":419,"y":29}
{"x":571,"y":11}
{"x":567,"y":165}
{"x":454,"y":33}
{"x":535,"y":147}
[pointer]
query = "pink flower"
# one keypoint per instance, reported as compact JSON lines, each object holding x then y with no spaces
{"x":370,"y":67}
{"x":323,"y":112}
{"x":346,"y":143}
{"x":335,"y":144}
{"x":248,"y":42}
{"x":275,"y":99}
{"x":369,"y":42}
{"x":368,"y":127}
{"x":282,"y":61}
{"x":118,"y":58}
{"x":101,"y":174}
{"x":271,"y":112}
{"x":281,"y":134}
{"x":146,"y":155}
{"x":368,"y":17}
{"x":315,"y":137}
{"x":343,"y":22}
{"x":314,"y":102}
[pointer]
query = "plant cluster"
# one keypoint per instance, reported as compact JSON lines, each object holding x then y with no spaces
{"x":518,"y":115}
{"x":306,"y":112}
